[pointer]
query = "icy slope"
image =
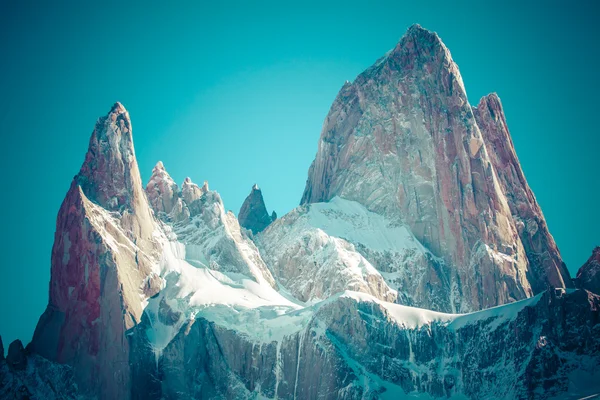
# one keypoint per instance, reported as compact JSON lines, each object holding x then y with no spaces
{"x":341,"y":245}
{"x":353,"y":345}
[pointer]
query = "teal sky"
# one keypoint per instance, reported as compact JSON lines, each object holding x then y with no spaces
{"x":236,"y":93}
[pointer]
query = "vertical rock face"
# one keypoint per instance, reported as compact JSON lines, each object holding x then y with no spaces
{"x":102,"y":263}
{"x":403,"y":141}
{"x":546,"y":267}
{"x":588,"y":276}
{"x":253,"y":215}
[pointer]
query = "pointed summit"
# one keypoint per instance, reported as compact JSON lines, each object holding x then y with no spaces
{"x":546,"y":267}
{"x":162,"y":190}
{"x":103,"y":262}
{"x":253,"y":215}
{"x":109,"y":175}
{"x":588,"y":276}
{"x":191,"y":192}
{"x":402,"y":141}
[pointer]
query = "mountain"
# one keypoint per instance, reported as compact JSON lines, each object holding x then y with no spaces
{"x":419,"y":265}
{"x":546,"y":265}
{"x":103,"y":260}
{"x":403,"y":141}
{"x":588,"y":276}
{"x":253,"y":215}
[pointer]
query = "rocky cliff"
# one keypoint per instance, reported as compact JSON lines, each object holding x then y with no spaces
{"x":403,"y":141}
{"x":102,"y":264}
{"x":546,"y":267}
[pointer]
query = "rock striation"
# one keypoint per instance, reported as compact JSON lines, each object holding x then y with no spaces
{"x":253,"y":214}
{"x":103,"y":262}
{"x":546,"y":267}
{"x":403,"y":141}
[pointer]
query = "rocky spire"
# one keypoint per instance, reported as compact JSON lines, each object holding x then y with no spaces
{"x":253,"y":215}
{"x":103,"y":263}
{"x":162,"y":190}
{"x":110,"y":176}
{"x":588,"y":276}
{"x":16,"y":357}
{"x":402,"y":140}
{"x":546,"y":265}
{"x":191,"y":192}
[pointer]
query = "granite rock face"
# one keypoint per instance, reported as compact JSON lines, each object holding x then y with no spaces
{"x":102,"y":263}
{"x":403,"y":141}
{"x":588,"y":276}
{"x":546,"y":267}
{"x":253,"y":215}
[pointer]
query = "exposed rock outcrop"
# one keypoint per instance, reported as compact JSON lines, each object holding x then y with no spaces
{"x":191,"y":192}
{"x":103,"y":262}
{"x":588,"y":276}
{"x":253,"y":214}
{"x":41,"y":379}
{"x":162,"y":190}
{"x":546,"y":267}
{"x":165,"y":197}
{"x":16,"y":357}
{"x":403,"y":141}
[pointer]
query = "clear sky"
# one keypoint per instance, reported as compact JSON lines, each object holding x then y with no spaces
{"x":236,"y":93}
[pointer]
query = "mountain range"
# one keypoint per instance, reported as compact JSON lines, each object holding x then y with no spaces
{"x":417,"y":265}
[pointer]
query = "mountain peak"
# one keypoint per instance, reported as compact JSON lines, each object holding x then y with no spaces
{"x":253,"y":214}
{"x":419,"y":44}
{"x":159,"y":166}
{"x":417,"y":31}
{"x":109,"y":175}
{"x":192,"y":192}
{"x":118,"y":108}
{"x":588,"y":276}
{"x":162,"y":191}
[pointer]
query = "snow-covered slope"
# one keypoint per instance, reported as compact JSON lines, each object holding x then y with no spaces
{"x":341,"y":245}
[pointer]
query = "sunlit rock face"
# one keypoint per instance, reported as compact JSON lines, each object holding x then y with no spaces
{"x":588,"y":276}
{"x":104,"y":254}
{"x":415,"y":211}
{"x":546,"y":267}
{"x":403,"y":141}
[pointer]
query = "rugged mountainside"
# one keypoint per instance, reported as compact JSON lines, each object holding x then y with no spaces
{"x":546,"y":265}
{"x":416,"y":209}
{"x":102,"y":263}
{"x":253,"y":215}
{"x":403,"y":141}
{"x":588,"y":276}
